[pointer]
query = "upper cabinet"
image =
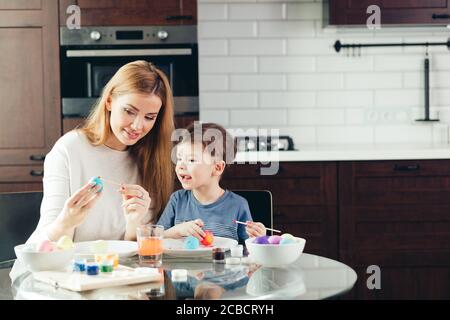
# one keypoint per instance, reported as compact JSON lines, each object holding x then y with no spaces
{"x":393,"y":12}
{"x":131,"y":12}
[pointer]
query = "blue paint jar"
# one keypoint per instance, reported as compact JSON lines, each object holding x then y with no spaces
{"x":79,"y":265}
{"x":92,"y":269}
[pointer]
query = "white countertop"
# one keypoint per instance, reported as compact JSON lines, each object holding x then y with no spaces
{"x":349,"y":153}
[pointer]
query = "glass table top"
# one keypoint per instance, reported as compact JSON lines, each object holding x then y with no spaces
{"x":310,"y":277}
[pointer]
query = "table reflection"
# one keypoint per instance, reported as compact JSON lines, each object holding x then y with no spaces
{"x":310,"y":277}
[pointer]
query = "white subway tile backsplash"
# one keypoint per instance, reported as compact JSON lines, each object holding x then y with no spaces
{"x":227,"y":65}
{"x":344,"y":64}
{"x":212,"y":12}
{"x":440,"y":62}
{"x":216,"y":116}
{"x":344,"y":134}
{"x":316,"y":81}
{"x":415,"y":133}
{"x":286,"y":64}
{"x":440,"y":97}
{"x":259,"y":47}
{"x":266,"y":11}
{"x":271,"y":63}
{"x":224,"y":100}
{"x":444,"y":114}
{"x":307,"y":46}
{"x":287,"y":99}
{"x":304,"y":11}
{"x":257,"y":82}
{"x":258,"y":117}
{"x":399,"y":98}
{"x":213,"y":83}
{"x":387,"y":80}
{"x":345,"y":99}
{"x":355,"y":116}
{"x":234,"y":29}
{"x":212,"y":48}
{"x":288,"y":29}
{"x":398,"y":62}
{"x":312,"y":117}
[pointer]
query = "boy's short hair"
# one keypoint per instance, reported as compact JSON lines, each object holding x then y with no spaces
{"x":210,"y":132}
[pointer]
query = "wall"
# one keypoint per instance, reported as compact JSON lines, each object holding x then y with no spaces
{"x":271,"y":64}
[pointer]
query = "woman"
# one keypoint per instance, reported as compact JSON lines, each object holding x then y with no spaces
{"x":125,"y":139}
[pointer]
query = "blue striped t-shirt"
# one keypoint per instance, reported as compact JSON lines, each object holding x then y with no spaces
{"x":217,"y":216}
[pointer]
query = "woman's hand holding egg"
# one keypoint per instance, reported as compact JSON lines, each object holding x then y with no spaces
{"x":76,"y":208}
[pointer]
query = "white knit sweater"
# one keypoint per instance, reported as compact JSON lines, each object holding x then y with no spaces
{"x":69,"y":166}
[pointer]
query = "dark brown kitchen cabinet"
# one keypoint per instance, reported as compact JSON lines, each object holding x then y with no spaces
{"x":131,"y":12}
{"x":396,"y":215}
{"x":393,"y":12}
{"x":304,"y":199}
{"x":30,"y":122}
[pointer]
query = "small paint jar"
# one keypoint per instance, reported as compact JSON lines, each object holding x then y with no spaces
{"x":79,"y":265}
{"x":218,"y":255}
{"x":237,"y":251}
{"x":101,"y":258}
{"x":92,"y":269}
{"x":107,"y":265}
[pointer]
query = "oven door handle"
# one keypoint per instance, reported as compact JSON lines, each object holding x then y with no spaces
{"x":129,"y":52}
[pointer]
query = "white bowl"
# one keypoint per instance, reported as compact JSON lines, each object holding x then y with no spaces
{"x":44,"y":261}
{"x":275,"y":255}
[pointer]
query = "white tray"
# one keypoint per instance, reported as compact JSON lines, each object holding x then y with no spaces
{"x":81,"y":282}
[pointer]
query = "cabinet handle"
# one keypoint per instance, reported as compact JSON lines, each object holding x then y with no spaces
{"x":37,"y":157}
{"x":409,"y":168}
{"x":440,"y":16}
{"x":169,"y":18}
{"x":37,"y":173}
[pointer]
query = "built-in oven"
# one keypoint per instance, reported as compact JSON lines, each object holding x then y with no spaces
{"x":90,"y":56}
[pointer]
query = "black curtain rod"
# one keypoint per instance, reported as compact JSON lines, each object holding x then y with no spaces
{"x":338,"y":45}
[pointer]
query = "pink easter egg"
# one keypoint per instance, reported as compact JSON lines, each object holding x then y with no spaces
{"x":45,"y":246}
{"x":274,"y":239}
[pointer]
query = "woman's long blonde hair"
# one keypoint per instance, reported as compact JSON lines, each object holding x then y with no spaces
{"x":152,"y":152}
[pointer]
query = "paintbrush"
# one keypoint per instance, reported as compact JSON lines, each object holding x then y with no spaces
{"x":245,"y":223}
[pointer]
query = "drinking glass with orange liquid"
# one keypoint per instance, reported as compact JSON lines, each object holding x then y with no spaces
{"x":150,"y":244}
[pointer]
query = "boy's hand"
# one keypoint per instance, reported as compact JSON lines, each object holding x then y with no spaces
{"x":255,"y":229}
{"x":189,"y":228}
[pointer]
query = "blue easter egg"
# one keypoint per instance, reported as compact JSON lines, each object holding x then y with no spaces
{"x":287,"y":240}
{"x":191,"y":243}
{"x":287,"y":236}
{"x":262,"y":240}
{"x":98,"y":182}
{"x":275,"y":239}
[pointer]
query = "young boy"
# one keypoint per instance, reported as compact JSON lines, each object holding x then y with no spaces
{"x":202,"y":204}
